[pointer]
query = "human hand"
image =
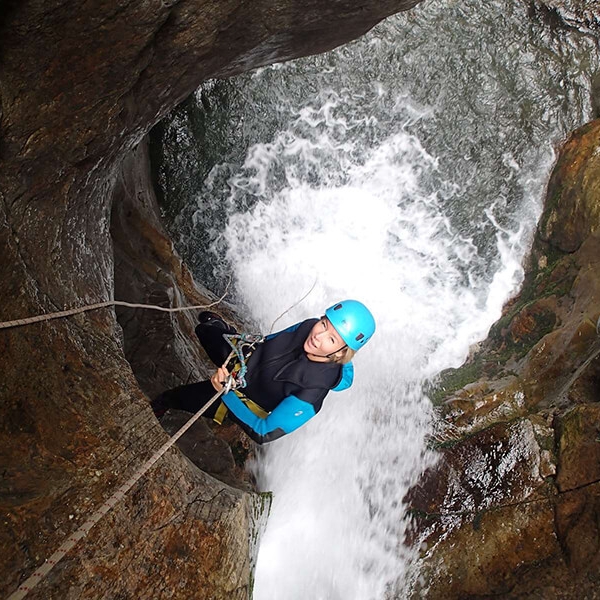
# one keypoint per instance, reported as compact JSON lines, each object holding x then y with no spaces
{"x":219,"y":378}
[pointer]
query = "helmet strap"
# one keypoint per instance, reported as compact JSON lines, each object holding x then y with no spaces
{"x":338,"y":350}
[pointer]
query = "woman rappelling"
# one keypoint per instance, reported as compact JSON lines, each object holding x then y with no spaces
{"x":287,"y":375}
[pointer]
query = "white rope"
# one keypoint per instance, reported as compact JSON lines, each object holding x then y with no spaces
{"x":42,"y":571}
{"x":292,"y":306}
{"x":98,"y":305}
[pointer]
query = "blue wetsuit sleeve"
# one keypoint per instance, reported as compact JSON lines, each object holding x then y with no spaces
{"x":346,"y":379}
{"x":290,"y":414}
{"x":288,"y":330}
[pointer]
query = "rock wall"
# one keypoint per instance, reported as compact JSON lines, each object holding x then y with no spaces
{"x":161,"y":348}
{"x":512,"y":509}
{"x":80,"y":84}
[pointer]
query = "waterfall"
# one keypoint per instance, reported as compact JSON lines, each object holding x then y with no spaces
{"x":405,"y":170}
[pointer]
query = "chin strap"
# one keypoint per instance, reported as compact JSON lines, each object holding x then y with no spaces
{"x":332,"y":353}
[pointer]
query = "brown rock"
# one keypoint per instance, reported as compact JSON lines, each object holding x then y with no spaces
{"x":577,"y":525}
{"x":80,"y":85}
{"x":532,"y":322}
{"x":521,"y":534}
{"x":586,"y":383}
{"x":496,"y":466}
{"x":477,"y":406}
{"x":532,"y":533}
{"x":579,"y":447}
{"x":573,"y":208}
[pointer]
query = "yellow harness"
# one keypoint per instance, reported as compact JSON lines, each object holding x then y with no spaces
{"x":255,"y":408}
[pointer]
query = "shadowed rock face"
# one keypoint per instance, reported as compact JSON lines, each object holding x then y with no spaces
{"x":579,"y":14}
{"x":512,"y":508}
{"x":161,"y":348}
{"x":80,"y":84}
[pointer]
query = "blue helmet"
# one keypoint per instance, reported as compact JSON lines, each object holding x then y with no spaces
{"x":353,"y":321}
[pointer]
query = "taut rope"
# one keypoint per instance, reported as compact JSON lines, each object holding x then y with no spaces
{"x":98,"y":305}
{"x":107,"y":303}
{"x":42,"y":571}
{"x":292,"y":306}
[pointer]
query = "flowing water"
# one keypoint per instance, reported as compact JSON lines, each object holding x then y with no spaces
{"x":406,"y":170}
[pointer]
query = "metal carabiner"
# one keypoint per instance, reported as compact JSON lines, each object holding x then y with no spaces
{"x":228,"y":384}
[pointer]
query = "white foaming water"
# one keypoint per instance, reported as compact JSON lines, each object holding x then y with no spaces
{"x":336,"y":525}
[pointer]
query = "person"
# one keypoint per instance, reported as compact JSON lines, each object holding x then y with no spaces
{"x":289,"y":374}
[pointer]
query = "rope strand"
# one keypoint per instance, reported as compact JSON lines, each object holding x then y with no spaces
{"x":98,"y":305}
{"x":42,"y":571}
{"x":285,"y":312}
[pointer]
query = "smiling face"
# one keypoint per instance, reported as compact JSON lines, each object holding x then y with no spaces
{"x":322,"y":341}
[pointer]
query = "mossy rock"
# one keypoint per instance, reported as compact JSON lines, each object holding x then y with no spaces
{"x":452,"y":380}
{"x":573,"y":203}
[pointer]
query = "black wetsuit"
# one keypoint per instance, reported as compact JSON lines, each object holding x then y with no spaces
{"x":280,"y":379}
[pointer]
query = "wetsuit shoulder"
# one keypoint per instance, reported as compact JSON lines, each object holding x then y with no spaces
{"x":346,"y":378}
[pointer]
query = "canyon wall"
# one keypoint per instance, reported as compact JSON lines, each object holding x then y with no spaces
{"x":512,"y":508}
{"x":80,"y":85}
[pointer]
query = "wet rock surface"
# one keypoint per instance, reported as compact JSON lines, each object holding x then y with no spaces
{"x":162,"y":347}
{"x":80,"y":85}
{"x":572,"y":209}
{"x":578,"y":14}
{"x":512,"y":508}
